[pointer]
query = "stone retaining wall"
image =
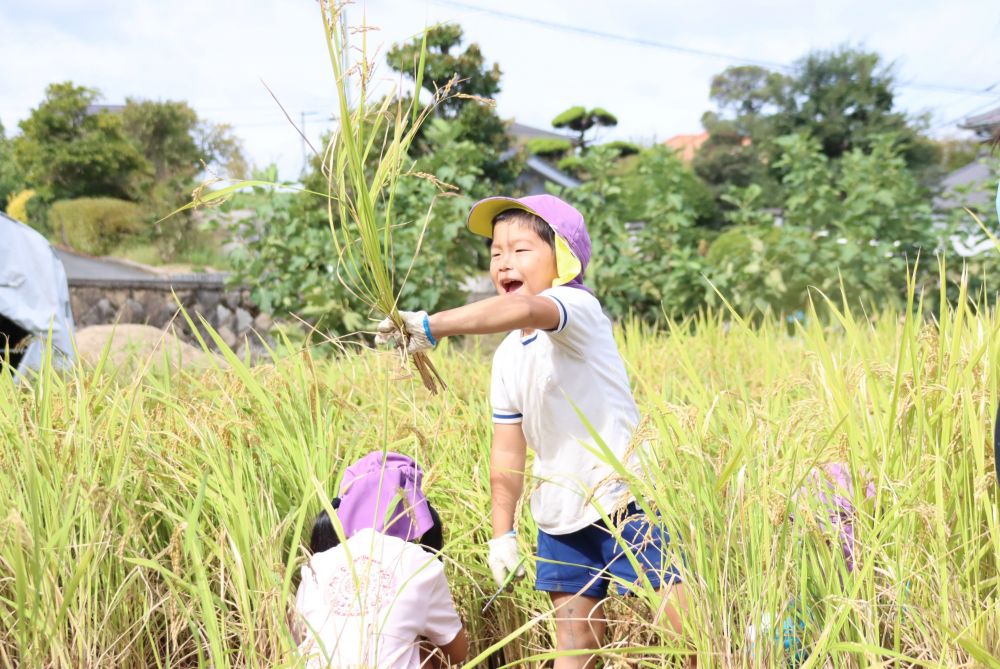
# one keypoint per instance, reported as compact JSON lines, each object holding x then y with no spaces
{"x":155,"y":301}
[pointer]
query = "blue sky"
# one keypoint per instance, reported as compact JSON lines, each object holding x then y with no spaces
{"x":214,"y":54}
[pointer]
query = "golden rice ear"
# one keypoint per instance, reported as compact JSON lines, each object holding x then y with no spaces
{"x":428,"y":373}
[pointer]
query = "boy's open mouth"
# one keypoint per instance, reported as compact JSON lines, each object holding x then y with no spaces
{"x":510,"y":286}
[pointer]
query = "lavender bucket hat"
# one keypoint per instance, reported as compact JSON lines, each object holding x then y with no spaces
{"x":561,"y":216}
{"x":382,"y":491}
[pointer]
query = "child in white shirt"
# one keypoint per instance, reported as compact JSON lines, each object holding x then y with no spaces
{"x":372,"y":600}
{"x":559,"y":359}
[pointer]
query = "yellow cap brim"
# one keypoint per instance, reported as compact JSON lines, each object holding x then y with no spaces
{"x":483,"y":212}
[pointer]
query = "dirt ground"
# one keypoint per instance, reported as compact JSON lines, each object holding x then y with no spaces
{"x":137,"y":344}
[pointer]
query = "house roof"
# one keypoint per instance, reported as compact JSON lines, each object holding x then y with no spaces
{"x":973,"y":178}
{"x":521,"y":133}
{"x":685,"y":146}
{"x":987,"y":122}
{"x":551,"y":173}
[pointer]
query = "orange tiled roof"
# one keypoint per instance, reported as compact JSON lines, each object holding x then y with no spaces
{"x":686,"y":145}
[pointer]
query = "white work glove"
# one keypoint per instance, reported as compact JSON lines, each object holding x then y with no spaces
{"x":418,"y":332}
{"x":504,"y":558}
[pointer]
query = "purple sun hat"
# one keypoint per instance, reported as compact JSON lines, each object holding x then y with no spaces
{"x":382,"y":491}
{"x":833,"y":486}
{"x":561,"y":216}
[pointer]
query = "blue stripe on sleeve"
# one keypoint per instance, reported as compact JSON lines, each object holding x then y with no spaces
{"x":564,"y":319}
{"x":507,"y":416}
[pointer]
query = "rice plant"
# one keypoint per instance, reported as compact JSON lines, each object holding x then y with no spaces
{"x":362,"y":165}
{"x":158,"y":519}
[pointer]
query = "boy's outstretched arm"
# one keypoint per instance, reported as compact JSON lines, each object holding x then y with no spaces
{"x":501,"y":313}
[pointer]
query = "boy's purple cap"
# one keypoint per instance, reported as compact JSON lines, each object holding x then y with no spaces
{"x":560,"y":215}
{"x":372,"y":484}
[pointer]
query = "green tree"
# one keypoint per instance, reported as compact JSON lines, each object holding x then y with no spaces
{"x":581,"y":120}
{"x":748,"y":93}
{"x":164,"y":133}
{"x":843,"y":98}
{"x":289,"y":258}
{"x":567,"y":152}
{"x":222,"y":149}
{"x":69,"y":149}
{"x":11,"y":180}
{"x":730,"y":157}
{"x":739,"y":148}
{"x":643,"y":219}
{"x":475,"y":85}
{"x":443,"y":62}
{"x":862,"y":221}
{"x":179,"y":147}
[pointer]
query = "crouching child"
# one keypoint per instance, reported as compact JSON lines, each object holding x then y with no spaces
{"x":380,"y":597}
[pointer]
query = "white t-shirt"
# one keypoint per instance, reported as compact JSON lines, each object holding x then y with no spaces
{"x":537,"y":380}
{"x":365,"y":602}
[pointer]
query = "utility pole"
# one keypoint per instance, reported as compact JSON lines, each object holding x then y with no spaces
{"x":302,"y":129}
{"x":346,"y":47}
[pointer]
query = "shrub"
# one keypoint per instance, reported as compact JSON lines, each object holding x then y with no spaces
{"x":643,"y":218}
{"x":547,"y":147}
{"x":96,"y":225}
{"x":624,"y":148}
{"x":858,"y":223}
{"x":17,"y":205}
{"x":572,"y":115}
{"x":762,"y":269}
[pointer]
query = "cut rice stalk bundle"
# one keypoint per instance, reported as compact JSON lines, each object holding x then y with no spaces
{"x":360,"y":202}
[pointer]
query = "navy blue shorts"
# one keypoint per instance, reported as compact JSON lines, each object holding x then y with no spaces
{"x":586,"y":561}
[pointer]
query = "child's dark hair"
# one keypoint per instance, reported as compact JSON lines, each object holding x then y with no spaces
{"x":324,"y":535}
{"x":522,"y":217}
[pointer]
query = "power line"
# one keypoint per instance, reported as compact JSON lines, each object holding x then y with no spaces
{"x":944,"y":88}
{"x":705,"y":53}
{"x":639,"y":41}
{"x":967,"y":114}
{"x":275,"y":122}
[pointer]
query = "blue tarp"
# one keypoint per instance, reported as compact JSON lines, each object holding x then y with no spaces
{"x":34,"y":293}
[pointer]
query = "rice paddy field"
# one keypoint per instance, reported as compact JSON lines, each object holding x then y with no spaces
{"x":156,"y":519}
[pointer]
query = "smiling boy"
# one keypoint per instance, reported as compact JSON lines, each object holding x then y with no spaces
{"x":558,"y":362}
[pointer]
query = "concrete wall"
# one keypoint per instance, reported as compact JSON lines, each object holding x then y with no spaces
{"x":156,"y":301}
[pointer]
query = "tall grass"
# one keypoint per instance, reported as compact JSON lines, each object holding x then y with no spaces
{"x":157,"y":520}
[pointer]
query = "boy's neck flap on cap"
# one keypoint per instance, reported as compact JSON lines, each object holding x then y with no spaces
{"x":567,"y":264}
